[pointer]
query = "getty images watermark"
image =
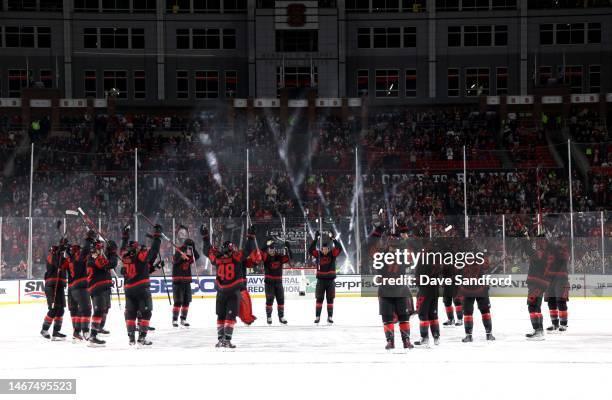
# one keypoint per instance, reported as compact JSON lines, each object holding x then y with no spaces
{"x":411,"y":259}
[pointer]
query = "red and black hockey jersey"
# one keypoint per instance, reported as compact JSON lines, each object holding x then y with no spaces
{"x":273,"y":264}
{"x":56,"y":268}
{"x":327,"y":262}
{"x":540,"y":262}
{"x":181,"y":266}
{"x":98,"y":272}
{"x":138,"y":264}
{"x":231,"y":267}
{"x":77,"y":273}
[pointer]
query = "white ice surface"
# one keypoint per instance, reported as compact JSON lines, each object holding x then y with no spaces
{"x":300,"y":360}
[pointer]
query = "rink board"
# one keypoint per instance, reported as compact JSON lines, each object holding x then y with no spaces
{"x":32,"y":291}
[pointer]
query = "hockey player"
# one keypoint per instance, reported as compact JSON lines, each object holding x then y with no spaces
{"x":557,"y":294}
{"x":273,"y":278}
{"x":79,"y":302}
{"x":231,"y":264}
{"x":181,"y":281}
{"x":537,"y":283}
{"x":55,"y":283}
{"x":137,"y":265}
{"x":395,"y":301}
{"x":326,"y":274}
{"x":476,"y":293}
{"x":450,"y":296}
{"x":100,"y":283}
{"x":427,"y":299}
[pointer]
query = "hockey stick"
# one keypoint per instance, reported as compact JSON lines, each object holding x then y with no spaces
{"x":163,"y":235}
{"x":90,"y":224}
{"x":58,"y":225}
{"x":161,"y":262}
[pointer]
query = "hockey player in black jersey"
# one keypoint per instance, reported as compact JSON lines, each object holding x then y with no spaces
{"x":79,"y":301}
{"x":55,"y":284}
{"x":427,"y":297}
{"x":181,"y":281}
{"x":557,"y":293}
{"x":475,"y":294}
{"x":137,"y":265}
{"x":450,"y":294}
{"x":231,"y":264}
{"x":326,"y":274}
{"x":537,"y":283}
{"x":394,"y":300}
{"x":100,"y":282}
{"x":273,"y":262}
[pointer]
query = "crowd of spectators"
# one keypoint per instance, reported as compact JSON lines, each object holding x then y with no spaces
{"x":194,"y":168}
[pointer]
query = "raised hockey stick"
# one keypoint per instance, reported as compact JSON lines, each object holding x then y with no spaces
{"x":162,"y":266}
{"x":58,"y":226}
{"x":91,"y":225}
{"x":163,"y":235}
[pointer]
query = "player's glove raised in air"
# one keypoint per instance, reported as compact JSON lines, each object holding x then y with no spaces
{"x":203,"y":230}
{"x":157,"y":230}
{"x":317,"y":235}
{"x":91,"y":234}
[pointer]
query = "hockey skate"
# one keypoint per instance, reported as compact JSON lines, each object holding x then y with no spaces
{"x":77,"y":338}
{"x":553,"y":329}
{"x":150,"y":329}
{"x":95,"y":342}
{"x":535,"y":335}
{"x":58,"y":336}
{"x":407,"y":344}
{"x":227,"y":344}
{"x":282,"y":320}
{"x":220,"y":344}
{"x":132,"y":340}
{"x":437,"y":340}
{"x":450,"y":322}
{"x":104,"y":332}
{"x":459,"y":322}
{"x":269,"y":320}
{"x":423,"y":343}
{"x":185,"y":324}
{"x":175,"y":324}
{"x":490,"y":337}
{"x":390,"y":345}
{"x":45,"y":334}
{"x":562,"y":328}
{"x":317,"y":320}
{"x":468,"y":338}
{"x":330,"y":321}
{"x":143,"y":341}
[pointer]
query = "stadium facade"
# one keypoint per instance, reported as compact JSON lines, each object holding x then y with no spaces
{"x":177,"y":52}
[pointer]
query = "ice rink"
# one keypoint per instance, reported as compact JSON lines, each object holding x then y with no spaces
{"x":300,"y":360}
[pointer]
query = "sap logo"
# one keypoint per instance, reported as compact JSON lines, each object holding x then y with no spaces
{"x":160,"y":286}
{"x":34,"y":289}
{"x":204,"y":285}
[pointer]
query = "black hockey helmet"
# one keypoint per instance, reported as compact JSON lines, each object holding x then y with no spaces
{"x":111,"y":246}
{"x":227,"y":247}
